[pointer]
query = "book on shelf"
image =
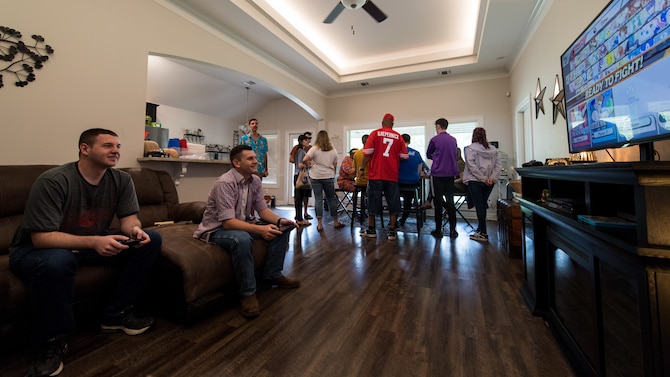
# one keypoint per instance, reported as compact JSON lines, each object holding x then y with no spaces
{"x":606,"y":221}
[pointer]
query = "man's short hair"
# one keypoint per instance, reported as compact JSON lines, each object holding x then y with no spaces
{"x":237,"y":150}
{"x":308,"y":134}
{"x":88,"y":136}
{"x":406,"y":138}
{"x":364,"y":138}
{"x":443,"y":123}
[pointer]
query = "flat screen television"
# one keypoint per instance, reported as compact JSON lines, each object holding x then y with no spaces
{"x":616,"y":78}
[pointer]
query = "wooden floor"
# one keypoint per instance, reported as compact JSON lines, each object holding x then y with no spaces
{"x":412,"y":307}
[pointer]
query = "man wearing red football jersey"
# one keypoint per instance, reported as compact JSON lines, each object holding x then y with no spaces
{"x":383,"y":151}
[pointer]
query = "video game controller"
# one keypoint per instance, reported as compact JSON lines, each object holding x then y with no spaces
{"x":131,"y":241}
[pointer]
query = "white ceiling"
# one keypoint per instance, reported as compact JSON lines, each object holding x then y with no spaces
{"x":421,"y":40}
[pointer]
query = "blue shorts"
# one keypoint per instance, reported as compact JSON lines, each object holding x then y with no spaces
{"x":390,"y":191}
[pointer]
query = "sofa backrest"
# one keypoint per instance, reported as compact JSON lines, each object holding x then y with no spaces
{"x":15,"y":184}
{"x":156,"y":193}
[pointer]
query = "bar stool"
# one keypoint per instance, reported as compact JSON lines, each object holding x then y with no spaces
{"x":362,"y":191}
{"x":414,"y":192}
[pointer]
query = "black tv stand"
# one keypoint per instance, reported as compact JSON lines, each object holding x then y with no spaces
{"x":604,"y":290}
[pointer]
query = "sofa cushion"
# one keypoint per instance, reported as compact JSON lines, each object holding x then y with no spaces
{"x":205,"y":267}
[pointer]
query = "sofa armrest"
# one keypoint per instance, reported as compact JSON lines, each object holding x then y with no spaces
{"x":191,"y":211}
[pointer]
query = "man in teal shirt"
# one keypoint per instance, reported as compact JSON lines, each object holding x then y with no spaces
{"x":259,"y":144}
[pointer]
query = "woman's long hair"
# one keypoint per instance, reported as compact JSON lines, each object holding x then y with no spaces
{"x":479,"y":136}
{"x":323,"y":141}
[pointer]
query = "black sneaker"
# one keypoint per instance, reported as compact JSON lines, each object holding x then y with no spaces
{"x":453,"y":234}
{"x":392,"y":236}
{"x":436,"y":233}
{"x":127,"y":323}
{"x":370,"y":233}
{"x":48,"y":359}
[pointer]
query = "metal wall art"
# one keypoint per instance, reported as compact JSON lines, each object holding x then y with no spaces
{"x":539,"y":98}
{"x":19,"y":59}
{"x":557,"y":100}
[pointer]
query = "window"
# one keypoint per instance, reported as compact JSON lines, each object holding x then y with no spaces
{"x":462,"y":131}
{"x":273,"y":158}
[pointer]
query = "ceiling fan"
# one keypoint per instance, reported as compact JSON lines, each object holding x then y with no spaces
{"x":368,"y":5}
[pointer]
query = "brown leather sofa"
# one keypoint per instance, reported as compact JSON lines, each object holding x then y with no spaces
{"x":189,"y":280}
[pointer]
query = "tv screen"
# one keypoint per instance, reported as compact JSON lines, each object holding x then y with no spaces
{"x":616,"y":77}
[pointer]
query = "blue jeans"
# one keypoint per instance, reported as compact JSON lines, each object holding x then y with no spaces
{"x":49,"y":278}
{"x":319,"y":186}
{"x":443,"y":189}
{"x":480,"y":191}
{"x":238,"y":243}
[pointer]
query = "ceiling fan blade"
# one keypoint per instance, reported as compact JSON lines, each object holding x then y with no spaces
{"x":375,"y":12}
{"x":334,"y":13}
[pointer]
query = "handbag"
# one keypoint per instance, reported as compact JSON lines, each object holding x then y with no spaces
{"x":303,"y":182}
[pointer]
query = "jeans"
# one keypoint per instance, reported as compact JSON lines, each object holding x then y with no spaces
{"x":443,"y":187}
{"x":319,"y":186}
{"x":480,"y":191}
{"x":49,"y":278}
{"x":238,"y":243}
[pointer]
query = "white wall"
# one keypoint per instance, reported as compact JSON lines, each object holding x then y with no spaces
{"x":97,"y":76}
{"x":178,"y":120}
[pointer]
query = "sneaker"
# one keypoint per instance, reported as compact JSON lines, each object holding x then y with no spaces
{"x":392,"y":235}
{"x":127,"y":323}
{"x":48,"y":359}
{"x":478,"y":236}
{"x":281,"y":282}
{"x":249,"y":307}
{"x":437,"y":233}
{"x":369,"y":233}
{"x":453,"y":234}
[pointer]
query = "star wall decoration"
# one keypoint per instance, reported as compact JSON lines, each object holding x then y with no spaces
{"x":557,"y":100}
{"x":539,"y":98}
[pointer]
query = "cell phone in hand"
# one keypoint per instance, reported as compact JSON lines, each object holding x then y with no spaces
{"x":131,"y":241}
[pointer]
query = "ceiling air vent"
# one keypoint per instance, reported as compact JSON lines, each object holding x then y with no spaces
{"x":445,"y":72}
{"x":364,"y":83}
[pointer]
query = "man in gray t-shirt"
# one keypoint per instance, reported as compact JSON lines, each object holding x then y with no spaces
{"x":66,"y":223}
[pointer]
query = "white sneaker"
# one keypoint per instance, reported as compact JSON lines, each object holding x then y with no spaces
{"x":478,"y":236}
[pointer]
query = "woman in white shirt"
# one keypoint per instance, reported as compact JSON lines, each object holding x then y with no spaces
{"x":322,"y":160}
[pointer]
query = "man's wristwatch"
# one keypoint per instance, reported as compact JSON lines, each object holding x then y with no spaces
{"x":279,"y":221}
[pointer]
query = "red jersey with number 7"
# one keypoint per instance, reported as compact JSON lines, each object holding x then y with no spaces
{"x":386,"y":148}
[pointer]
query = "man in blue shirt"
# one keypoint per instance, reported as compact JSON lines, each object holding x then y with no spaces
{"x":409,"y":178}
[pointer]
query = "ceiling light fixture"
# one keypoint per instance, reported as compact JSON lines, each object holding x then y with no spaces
{"x":353,"y":4}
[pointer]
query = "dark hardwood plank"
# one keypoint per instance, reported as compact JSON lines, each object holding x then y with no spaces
{"x":367,"y":307}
